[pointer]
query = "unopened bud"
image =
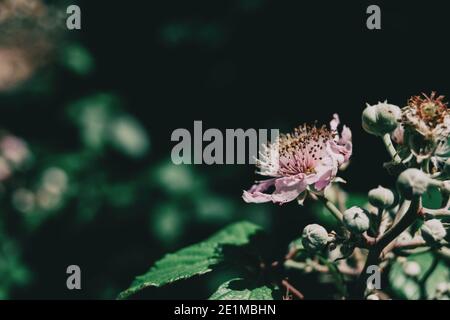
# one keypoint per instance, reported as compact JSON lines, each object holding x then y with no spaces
{"x":356,"y":220}
{"x":314,"y":237}
{"x":381,"y":197}
{"x":433,"y":230}
{"x":413,"y":182}
{"x":381,"y":118}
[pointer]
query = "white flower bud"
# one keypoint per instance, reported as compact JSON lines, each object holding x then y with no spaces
{"x":381,"y":118}
{"x":373,"y":297}
{"x":356,"y":220}
{"x":413,"y":182}
{"x":381,"y":197}
{"x":433,"y":230}
{"x":314,"y":237}
{"x":412,"y":269}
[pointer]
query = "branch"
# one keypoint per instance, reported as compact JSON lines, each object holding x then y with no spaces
{"x":373,"y":257}
{"x":407,"y":245}
{"x":437,"y":213}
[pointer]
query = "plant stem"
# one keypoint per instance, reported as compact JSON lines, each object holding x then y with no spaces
{"x":333,"y":209}
{"x":391,"y":149}
{"x":373,"y":257}
{"x":404,"y":206}
{"x":291,"y":289}
{"x":438,"y":213}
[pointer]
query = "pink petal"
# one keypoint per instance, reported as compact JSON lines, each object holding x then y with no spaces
{"x":346,"y":135}
{"x":324,"y":180}
{"x":256,"y":195}
{"x":288,"y":189}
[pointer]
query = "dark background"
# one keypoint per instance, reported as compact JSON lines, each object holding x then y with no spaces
{"x":231,"y":64}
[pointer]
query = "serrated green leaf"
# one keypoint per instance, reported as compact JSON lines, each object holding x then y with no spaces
{"x":239,"y":289}
{"x":194,"y":260}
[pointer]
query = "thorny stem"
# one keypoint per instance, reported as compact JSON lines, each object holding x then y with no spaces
{"x":391,"y":149}
{"x":373,"y":257}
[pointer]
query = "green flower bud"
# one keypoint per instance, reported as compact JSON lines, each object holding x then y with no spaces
{"x":413,"y":182}
{"x":412,"y":269}
{"x":433,"y":230}
{"x":314,"y":237}
{"x":381,"y":118}
{"x":356,"y":220}
{"x":381,"y":197}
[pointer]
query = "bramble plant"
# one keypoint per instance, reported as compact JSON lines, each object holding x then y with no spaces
{"x":400,"y":232}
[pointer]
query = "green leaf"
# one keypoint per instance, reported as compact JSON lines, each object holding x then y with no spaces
{"x":194,"y":260}
{"x":238,"y":289}
{"x":409,"y":288}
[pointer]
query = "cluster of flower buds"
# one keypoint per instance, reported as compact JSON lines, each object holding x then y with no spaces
{"x":421,"y":129}
{"x":393,"y":221}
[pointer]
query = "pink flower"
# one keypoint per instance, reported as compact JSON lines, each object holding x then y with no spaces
{"x":305,"y":160}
